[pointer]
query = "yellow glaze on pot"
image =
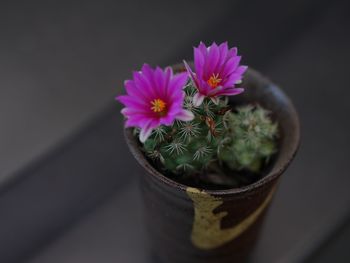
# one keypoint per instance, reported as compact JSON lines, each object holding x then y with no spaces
{"x":206,"y":229}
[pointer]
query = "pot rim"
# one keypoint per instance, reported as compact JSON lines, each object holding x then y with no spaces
{"x":269,"y":177}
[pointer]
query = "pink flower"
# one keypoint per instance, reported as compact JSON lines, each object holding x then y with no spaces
{"x":154,"y":97}
{"x":217,"y":71}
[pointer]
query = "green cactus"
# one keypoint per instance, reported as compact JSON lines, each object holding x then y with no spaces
{"x":249,"y":139}
{"x":243,"y":139}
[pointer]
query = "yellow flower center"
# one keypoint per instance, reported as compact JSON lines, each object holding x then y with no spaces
{"x":158,"y":106}
{"x":214,"y":80}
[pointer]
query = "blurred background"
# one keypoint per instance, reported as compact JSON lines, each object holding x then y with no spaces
{"x":68,"y":185}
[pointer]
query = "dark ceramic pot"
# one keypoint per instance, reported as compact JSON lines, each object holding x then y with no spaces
{"x":193,"y":225}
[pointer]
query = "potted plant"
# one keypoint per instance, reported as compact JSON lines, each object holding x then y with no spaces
{"x":213,"y":143}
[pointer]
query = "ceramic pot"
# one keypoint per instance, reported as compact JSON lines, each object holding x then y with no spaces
{"x":193,"y":225}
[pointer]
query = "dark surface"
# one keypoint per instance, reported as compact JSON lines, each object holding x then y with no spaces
{"x":61,"y":62}
{"x":335,"y":249}
{"x":56,"y":60}
{"x":61,"y":187}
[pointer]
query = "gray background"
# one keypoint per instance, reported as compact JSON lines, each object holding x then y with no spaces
{"x":73,"y":196}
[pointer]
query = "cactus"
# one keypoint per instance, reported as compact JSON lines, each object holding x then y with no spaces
{"x":249,"y":140}
{"x":243,"y":139}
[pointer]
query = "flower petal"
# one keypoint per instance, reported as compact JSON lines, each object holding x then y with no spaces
{"x":160,"y":81}
{"x":178,"y":82}
{"x":136,"y":121}
{"x":127,"y":112}
{"x":133,"y":102}
{"x":215,"y":91}
{"x":231,"y":65}
{"x":167,"y":120}
{"x":232,"y":52}
{"x":147,"y":71}
{"x":198,"y":99}
{"x":133,"y":91}
{"x":203,"y":49}
{"x":190,"y":72}
{"x":168,"y":75}
{"x":223,"y":50}
{"x":145,"y":133}
{"x":185,"y":115}
{"x":199,"y":61}
{"x":241,"y":69}
{"x":145,"y":82}
{"x":211,"y":61}
{"x":232,"y":80}
{"x":232,"y":92}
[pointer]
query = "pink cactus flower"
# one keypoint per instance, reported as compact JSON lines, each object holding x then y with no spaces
{"x":154,"y":97}
{"x":217,"y":71}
